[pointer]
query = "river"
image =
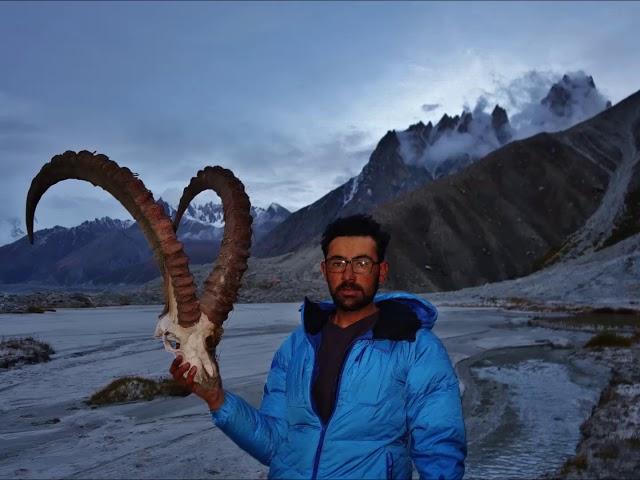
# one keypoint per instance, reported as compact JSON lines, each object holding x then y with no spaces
{"x":524,"y":400}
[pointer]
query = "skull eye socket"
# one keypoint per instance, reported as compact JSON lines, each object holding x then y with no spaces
{"x":171,"y":342}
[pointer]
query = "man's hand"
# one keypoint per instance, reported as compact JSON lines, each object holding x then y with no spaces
{"x":213,"y":396}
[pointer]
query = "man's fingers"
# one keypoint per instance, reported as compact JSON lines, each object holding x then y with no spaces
{"x":175,"y":364}
{"x":194,"y":386}
{"x":185,"y":375}
{"x":191,"y":376}
{"x":182,"y":369}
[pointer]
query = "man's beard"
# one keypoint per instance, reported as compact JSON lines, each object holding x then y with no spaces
{"x":353,"y":305}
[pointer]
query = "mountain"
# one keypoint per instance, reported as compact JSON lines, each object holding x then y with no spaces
{"x":405,"y":160}
{"x":107,"y":251}
{"x":468,"y":201}
{"x":202,"y":227}
{"x":58,"y":254}
{"x":568,"y":96}
{"x":383,"y":178}
{"x":206,"y":221}
{"x":531,"y":204}
{"x":558,"y":202}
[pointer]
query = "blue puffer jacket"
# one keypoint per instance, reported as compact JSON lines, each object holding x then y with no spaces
{"x":397,"y":400}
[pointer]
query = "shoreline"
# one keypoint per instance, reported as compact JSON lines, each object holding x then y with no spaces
{"x":43,"y":299}
{"x":609,"y":446}
{"x":493,"y":409}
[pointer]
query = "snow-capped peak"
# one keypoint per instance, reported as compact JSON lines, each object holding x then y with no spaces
{"x":570,"y":100}
{"x":212,"y":214}
{"x":458,"y":140}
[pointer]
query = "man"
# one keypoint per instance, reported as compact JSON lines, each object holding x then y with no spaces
{"x":361,"y":388}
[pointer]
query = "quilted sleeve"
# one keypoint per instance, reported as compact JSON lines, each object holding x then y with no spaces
{"x":259,"y":432}
{"x":434,"y":412}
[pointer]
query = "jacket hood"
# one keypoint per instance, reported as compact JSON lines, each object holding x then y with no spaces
{"x":401,"y":315}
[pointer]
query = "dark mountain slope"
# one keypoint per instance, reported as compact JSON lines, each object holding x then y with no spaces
{"x":518,"y":209}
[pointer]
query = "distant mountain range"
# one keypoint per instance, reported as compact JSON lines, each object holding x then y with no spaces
{"x":205,"y":222}
{"x":469,"y":200}
{"x":403,"y":161}
{"x":107,"y":251}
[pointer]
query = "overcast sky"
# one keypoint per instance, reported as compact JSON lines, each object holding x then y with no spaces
{"x":291,"y":96}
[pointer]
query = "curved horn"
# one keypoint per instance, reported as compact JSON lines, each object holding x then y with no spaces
{"x":222,"y":285}
{"x":134,"y":196}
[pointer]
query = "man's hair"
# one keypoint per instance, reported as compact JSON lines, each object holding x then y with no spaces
{"x":356,"y":226}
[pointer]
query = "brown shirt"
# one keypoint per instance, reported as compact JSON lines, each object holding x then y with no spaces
{"x":334,"y":346}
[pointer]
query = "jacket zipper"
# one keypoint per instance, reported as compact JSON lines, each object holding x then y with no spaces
{"x":316,"y":460}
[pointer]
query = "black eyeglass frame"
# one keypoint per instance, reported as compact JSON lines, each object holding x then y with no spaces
{"x":351,"y":261}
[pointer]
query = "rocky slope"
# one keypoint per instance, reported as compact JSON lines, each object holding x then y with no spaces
{"x":521,"y":208}
{"x":608,"y":278}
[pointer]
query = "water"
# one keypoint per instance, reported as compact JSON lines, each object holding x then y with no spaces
{"x":48,"y":432}
{"x":545,"y":402}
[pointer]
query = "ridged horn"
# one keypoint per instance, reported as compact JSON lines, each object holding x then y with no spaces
{"x":122,"y":184}
{"x":222,"y":285}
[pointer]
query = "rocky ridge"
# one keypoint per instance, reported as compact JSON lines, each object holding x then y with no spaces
{"x":521,"y":208}
{"x":405,"y":160}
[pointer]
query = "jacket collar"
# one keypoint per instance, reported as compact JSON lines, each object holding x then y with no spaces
{"x":401,"y":315}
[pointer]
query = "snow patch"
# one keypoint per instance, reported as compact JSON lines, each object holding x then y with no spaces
{"x":352,"y":187}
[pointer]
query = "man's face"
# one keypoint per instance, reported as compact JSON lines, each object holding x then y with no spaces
{"x":353,"y":291}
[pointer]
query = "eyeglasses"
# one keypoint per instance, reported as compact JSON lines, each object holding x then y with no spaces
{"x":359,"y":265}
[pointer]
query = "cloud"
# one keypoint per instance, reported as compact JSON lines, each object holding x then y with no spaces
{"x":291,"y":167}
{"x":353,"y":138}
{"x":341,"y":179}
{"x":16,"y":126}
{"x":430,"y":107}
{"x":341,"y":157}
{"x":520,"y":92}
{"x":19,"y":132}
{"x":536,"y":102}
{"x":11,"y":229}
{"x":581,"y":101}
{"x":274,"y":166}
{"x":452,"y":145}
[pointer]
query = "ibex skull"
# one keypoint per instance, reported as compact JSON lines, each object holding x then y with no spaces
{"x":187,"y":326}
